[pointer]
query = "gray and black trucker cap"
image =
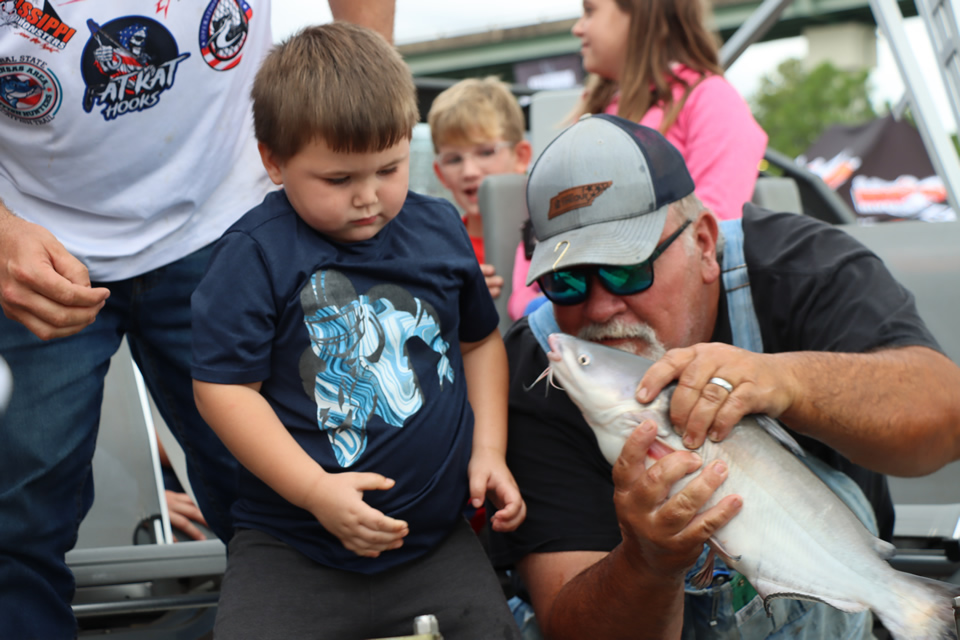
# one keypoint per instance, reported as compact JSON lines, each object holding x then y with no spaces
{"x":599,"y":194}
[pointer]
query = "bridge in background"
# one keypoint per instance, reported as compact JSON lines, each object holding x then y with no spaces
{"x":519,"y":53}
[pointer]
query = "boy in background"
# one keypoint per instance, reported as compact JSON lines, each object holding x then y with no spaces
{"x":342,"y":333}
{"x":477,"y":129}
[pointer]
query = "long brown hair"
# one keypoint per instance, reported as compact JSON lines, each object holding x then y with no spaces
{"x":662,"y":32}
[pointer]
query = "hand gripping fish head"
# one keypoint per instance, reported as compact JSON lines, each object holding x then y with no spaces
{"x":793,"y":538}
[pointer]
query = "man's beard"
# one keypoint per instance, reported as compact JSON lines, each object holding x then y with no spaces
{"x":642,"y":339}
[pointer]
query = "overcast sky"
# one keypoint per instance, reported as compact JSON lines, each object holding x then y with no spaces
{"x":418,"y":20}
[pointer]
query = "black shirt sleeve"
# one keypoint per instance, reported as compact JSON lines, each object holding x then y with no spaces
{"x":816,"y":288}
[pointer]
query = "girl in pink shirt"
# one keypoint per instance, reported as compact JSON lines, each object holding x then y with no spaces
{"x":655,"y":62}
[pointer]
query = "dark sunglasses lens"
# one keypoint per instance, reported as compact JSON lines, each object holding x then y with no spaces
{"x":564,"y":287}
{"x":624,"y":281}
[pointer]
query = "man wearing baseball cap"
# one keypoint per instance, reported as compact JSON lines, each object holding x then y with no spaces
{"x":776,"y":313}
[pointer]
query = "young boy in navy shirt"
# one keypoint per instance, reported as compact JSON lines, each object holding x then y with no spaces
{"x":346,"y":351}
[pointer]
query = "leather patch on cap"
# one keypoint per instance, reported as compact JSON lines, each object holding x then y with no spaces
{"x":576,"y":198}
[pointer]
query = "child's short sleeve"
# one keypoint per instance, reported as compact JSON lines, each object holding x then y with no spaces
{"x":234,"y":314}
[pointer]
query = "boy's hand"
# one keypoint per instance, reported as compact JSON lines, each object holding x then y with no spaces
{"x":337,"y":503}
{"x":490,"y":477}
{"x":494,"y":282}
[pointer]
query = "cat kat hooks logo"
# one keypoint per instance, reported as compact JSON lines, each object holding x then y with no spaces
{"x":126,"y":64}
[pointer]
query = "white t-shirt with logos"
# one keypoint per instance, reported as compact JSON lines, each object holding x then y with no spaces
{"x":125,"y":125}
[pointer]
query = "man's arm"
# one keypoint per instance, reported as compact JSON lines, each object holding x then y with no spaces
{"x":636,"y":590}
{"x":894,"y":410}
{"x":375,"y":14}
{"x":42,"y":286}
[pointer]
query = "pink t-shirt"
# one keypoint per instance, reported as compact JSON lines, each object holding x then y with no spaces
{"x":719,"y":139}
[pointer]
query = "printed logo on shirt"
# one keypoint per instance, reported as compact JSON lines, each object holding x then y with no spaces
{"x":127,"y":64}
{"x":223,"y":32}
{"x":41,"y":25}
{"x":29,"y":91}
{"x":358,"y":365}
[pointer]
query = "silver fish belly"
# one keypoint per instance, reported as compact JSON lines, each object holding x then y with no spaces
{"x":794,"y":537}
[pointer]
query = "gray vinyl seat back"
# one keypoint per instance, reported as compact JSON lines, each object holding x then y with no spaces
{"x":777,"y":193}
{"x":127,"y":478}
{"x":549,"y":115}
{"x":503,"y":206}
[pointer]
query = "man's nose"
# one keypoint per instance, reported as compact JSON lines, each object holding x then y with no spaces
{"x":601,"y":305}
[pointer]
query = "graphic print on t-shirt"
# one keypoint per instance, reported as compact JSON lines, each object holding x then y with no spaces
{"x":29,"y":91}
{"x":357,"y":365}
{"x":127,"y":63}
{"x":41,"y":25}
{"x":223,"y":32}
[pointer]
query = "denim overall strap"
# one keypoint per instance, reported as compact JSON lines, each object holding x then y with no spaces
{"x":542,"y":324}
{"x":736,"y":281}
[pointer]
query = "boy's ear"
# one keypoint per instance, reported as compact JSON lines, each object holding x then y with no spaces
{"x":270,"y":163}
{"x":523,"y":151}
{"x":440,"y":176}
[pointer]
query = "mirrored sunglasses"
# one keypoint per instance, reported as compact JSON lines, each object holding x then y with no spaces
{"x":572,"y":286}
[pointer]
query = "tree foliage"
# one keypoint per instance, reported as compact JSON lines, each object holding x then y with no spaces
{"x":795,"y":106}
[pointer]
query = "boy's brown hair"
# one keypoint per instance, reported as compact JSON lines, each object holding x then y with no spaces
{"x":339,"y":82}
{"x":475,"y":110}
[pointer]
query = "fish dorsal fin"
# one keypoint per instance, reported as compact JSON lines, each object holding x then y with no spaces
{"x":776,"y":430}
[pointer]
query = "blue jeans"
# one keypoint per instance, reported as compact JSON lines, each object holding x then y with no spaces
{"x":526,"y":618}
{"x":48,"y":436}
{"x":718,"y":612}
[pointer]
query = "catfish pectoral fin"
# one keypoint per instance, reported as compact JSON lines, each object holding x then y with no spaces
{"x":703,"y":578}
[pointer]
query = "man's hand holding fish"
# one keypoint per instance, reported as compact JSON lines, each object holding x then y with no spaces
{"x":864,"y":405}
{"x":665,"y":533}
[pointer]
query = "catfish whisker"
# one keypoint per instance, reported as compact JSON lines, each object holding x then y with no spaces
{"x":548,"y":374}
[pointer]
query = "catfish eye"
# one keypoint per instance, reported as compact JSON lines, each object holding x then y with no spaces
{"x":583,"y":359}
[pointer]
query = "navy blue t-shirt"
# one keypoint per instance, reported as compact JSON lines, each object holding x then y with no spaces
{"x":358,"y":349}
